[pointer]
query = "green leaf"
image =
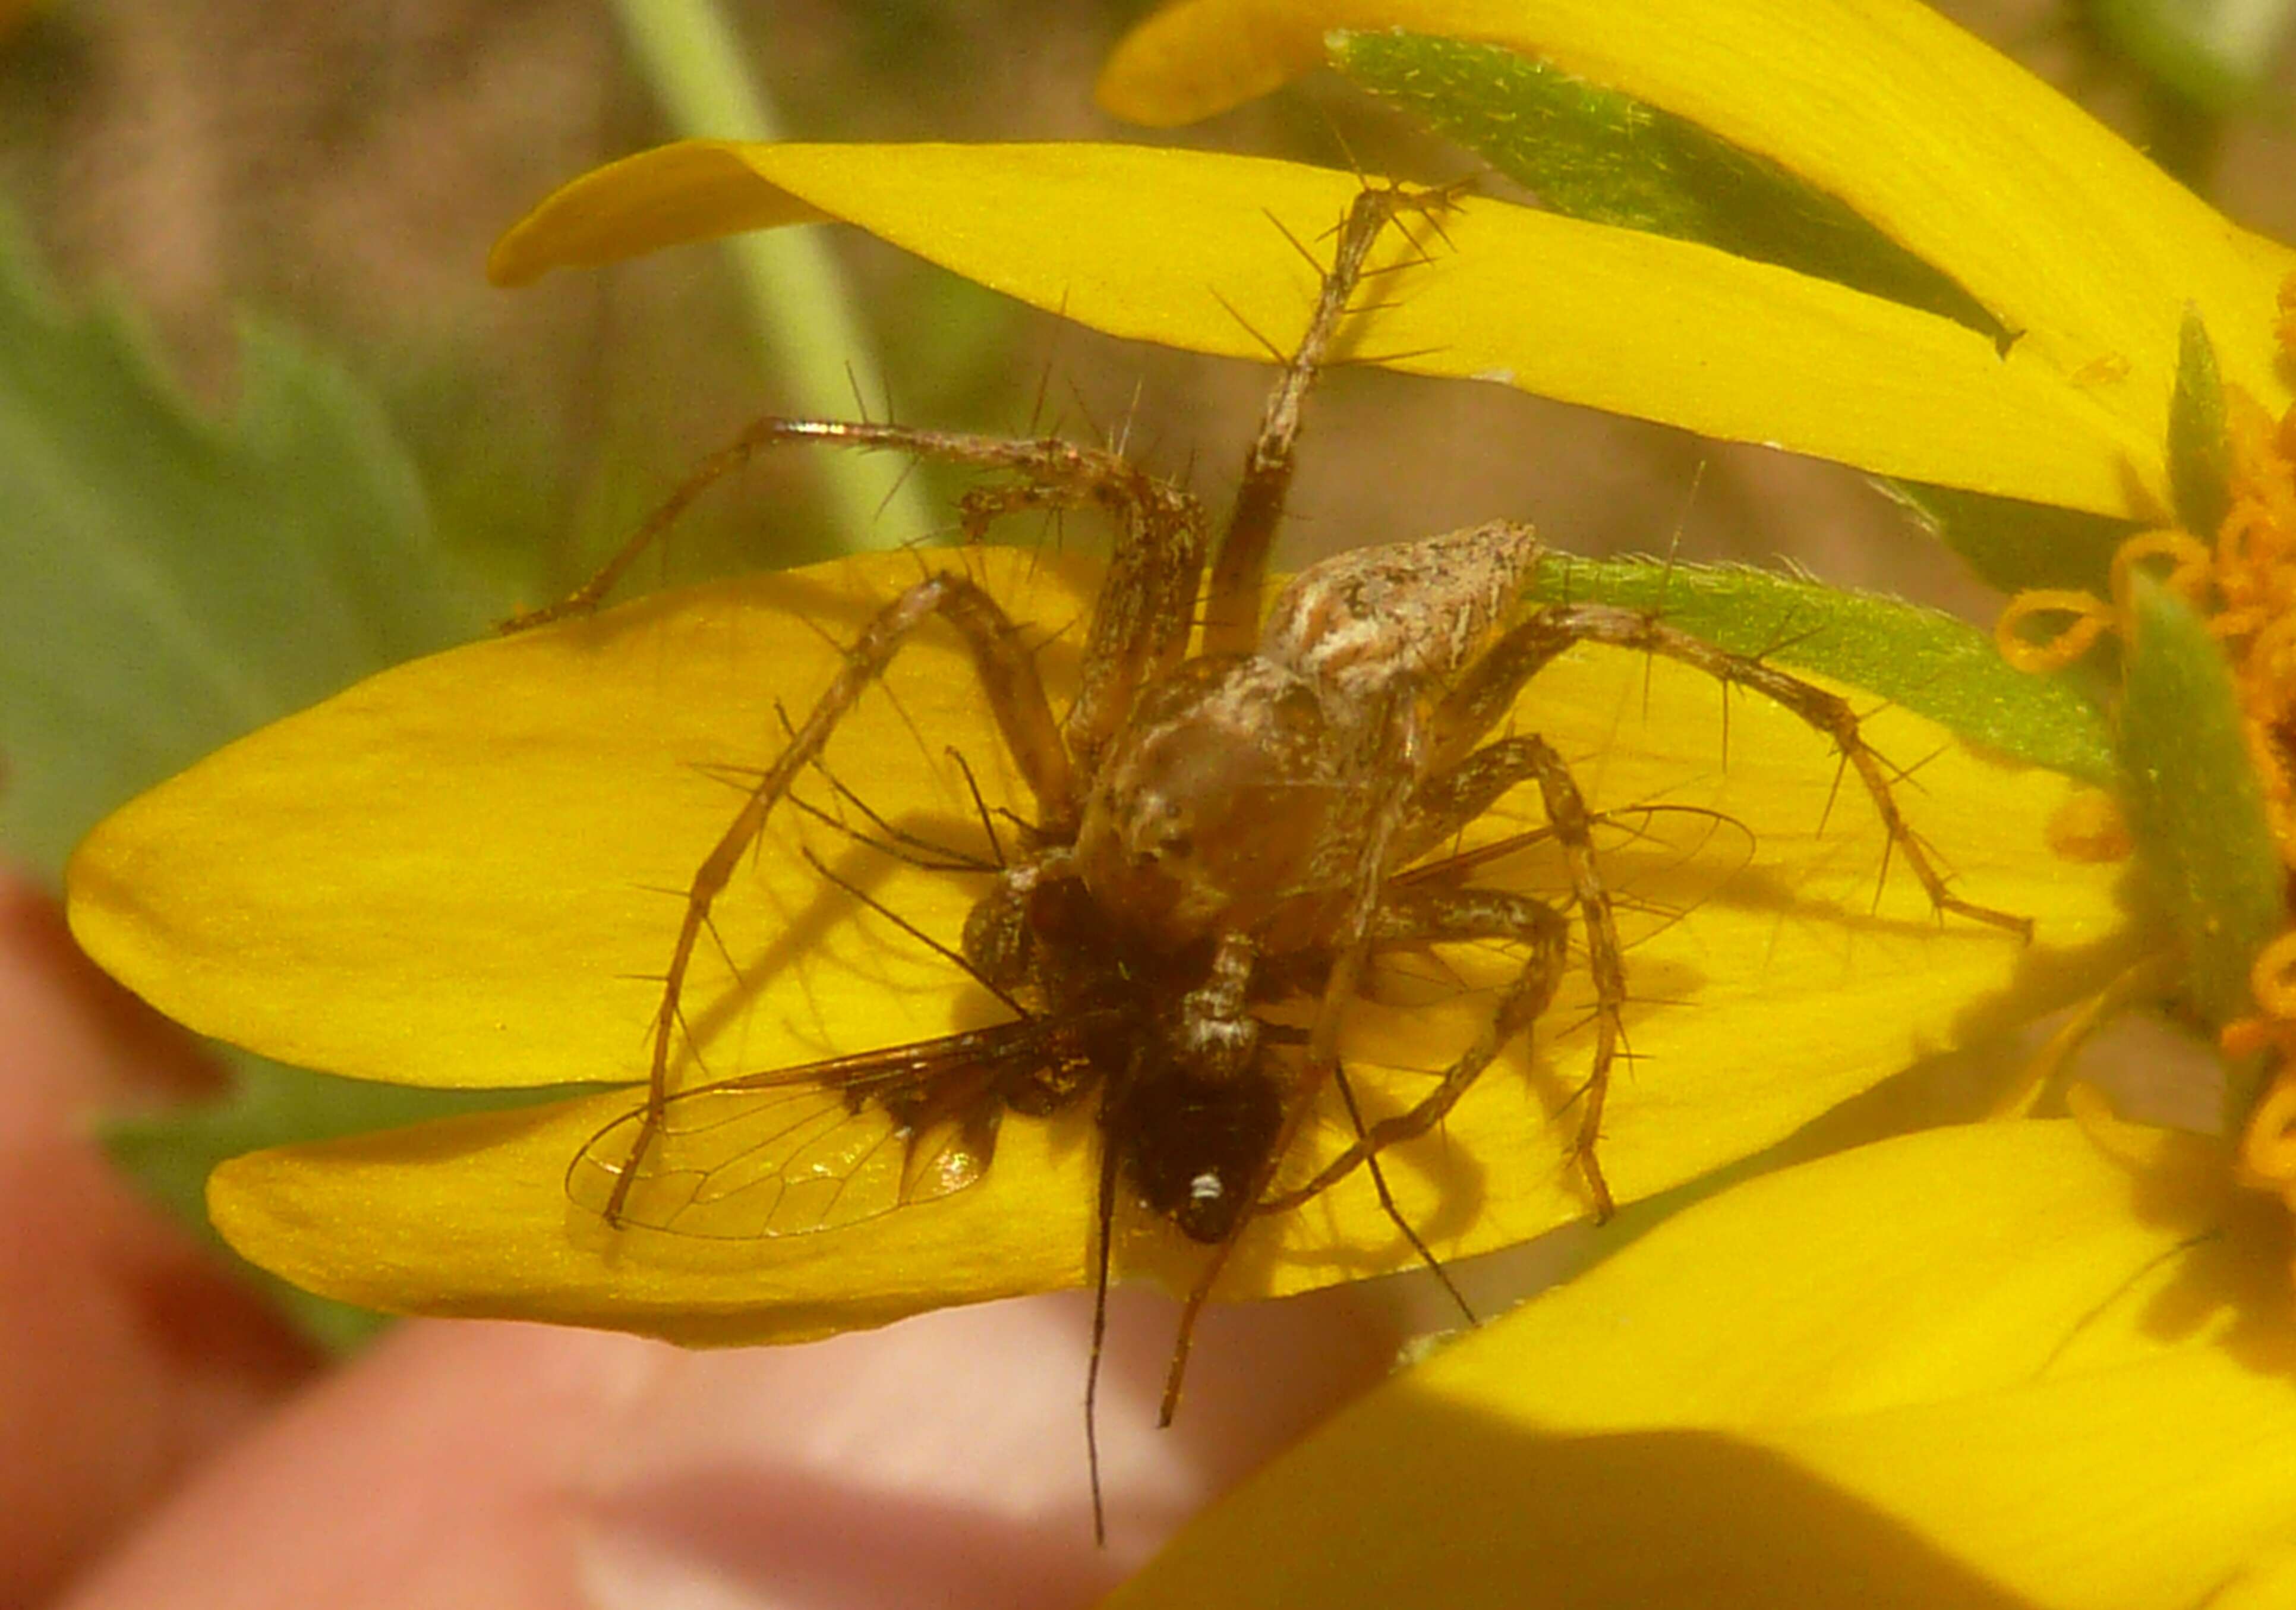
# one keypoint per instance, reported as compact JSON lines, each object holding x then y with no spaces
{"x":1592,"y":153}
{"x":2013,"y":544}
{"x":1926,"y":661}
{"x":2217,"y":55}
{"x":171,"y":580}
{"x":2197,"y":810}
{"x":2200,"y":452}
{"x":169,"y":1154}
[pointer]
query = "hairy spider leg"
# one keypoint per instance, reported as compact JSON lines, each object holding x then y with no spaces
{"x":1140,"y":626}
{"x":1408,"y":915}
{"x":1146,"y":605}
{"x":1145,"y":609}
{"x":1491,"y":686}
{"x":1240,"y":571}
{"x":1058,"y":473}
{"x":1452,"y":797}
{"x":1024,"y":718}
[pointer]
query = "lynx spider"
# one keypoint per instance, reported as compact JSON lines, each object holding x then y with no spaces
{"x":1256,"y":800}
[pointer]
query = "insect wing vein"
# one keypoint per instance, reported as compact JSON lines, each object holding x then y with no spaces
{"x":819,"y":1147}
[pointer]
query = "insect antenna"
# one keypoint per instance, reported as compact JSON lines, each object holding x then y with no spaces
{"x":1104,"y":1223}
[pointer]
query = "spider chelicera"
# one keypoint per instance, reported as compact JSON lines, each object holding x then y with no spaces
{"x":1245,"y":803}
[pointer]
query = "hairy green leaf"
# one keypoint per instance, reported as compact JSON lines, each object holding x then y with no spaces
{"x":2200,"y":452}
{"x":171,"y":580}
{"x":1927,"y":662}
{"x":2196,"y":808}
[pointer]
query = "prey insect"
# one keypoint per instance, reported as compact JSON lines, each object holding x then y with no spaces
{"x":1234,"y":813}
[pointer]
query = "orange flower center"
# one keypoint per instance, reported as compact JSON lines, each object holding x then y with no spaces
{"x":2243,"y":579}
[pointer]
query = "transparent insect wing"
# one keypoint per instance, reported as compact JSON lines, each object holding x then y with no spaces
{"x":742,"y":1160}
{"x":944,"y":1156}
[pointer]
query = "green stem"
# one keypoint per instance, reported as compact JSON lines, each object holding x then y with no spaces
{"x":795,"y":292}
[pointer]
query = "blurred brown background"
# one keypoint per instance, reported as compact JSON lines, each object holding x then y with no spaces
{"x":344,"y":164}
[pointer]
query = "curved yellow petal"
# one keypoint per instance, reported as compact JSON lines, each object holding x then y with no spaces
{"x":1995,"y":1368}
{"x":462,"y":872}
{"x":2060,"y":229}
{"x":690,"y":190}
{"x":454,"y":875}
{"x":1190,"y":249}
{"x":470,"y":1217}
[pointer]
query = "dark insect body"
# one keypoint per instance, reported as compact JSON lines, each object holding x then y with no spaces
{"x":1236,"y":811}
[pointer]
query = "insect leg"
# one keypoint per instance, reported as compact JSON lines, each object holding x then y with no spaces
{"x":1016,"y":696}
{"x":1103,"y":1242}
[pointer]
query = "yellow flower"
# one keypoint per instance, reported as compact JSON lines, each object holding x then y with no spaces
{"x":453,"y":875}
{"x":2039,"y":1364}
{"x":461,"y":873}
{"x":1991,"y":1366}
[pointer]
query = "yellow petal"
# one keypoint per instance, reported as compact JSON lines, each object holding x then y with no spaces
{"x":2055,"y":224}
{"x":452,"y":874}
{"x":470,"y":1217}
{"x":1178,"y":247}
{"x":1994,"y":1367}
{"x":463,"y":872}
{"x":692,"y":191}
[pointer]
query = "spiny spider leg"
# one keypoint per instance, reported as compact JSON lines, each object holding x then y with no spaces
{"x":1424,"y":916}
{"x":1239,"y":570}
{"x":1067,"y":474}
{"x":1489,"y":689}
{"x":1024,"y":716}
{"x":1146,"y":605}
